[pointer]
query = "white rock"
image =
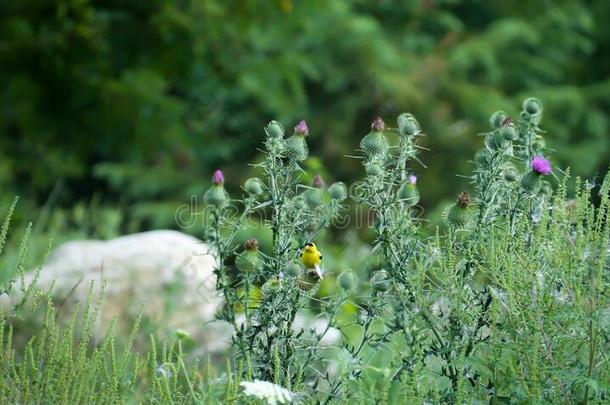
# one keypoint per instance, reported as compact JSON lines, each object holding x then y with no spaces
{"x":165,"y":273}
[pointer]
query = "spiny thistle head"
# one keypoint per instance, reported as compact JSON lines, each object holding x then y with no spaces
{"x":338,"y":191}
{"x":274,"y":130}
{"x":296,"y":147}
{"x":509,"y":131}
{"x":216,"y":195}
{"x":495,"y":140}
{"x":408,"y":125}
{"x":380,"y":281}
{"x":510,"y":172}
{"x":375,"y":143}
{"x":301,"y":129}
{"x":482,"y":157}
{"x":496,"y":119}
{"x":248,"y":260}
{"x":378,"y":125}
{"x":541,"y":166}
{"x":253,"y":186}
{"x":218,"y":178}
{"x":458,"y":214}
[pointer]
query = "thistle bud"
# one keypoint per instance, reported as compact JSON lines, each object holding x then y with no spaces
{"x":509,"y":132}
{"x":510,"y":172}
{"x":458,"y":214}
{"x":347,"y":280}
{"x":301,"y":129}
{"x":375,"y":143}
{"x":253,"y":186}
{"x":496,"y":119}
{"x":248,"y":261}
{"x":380,"y":281}
{"x":378,"y":125}
{"x":338,"y":191}
{"x":270,"y":287}
{"x":495,"y":140}
{"x":532,"y":110}
{"x":296,"y":146}
{"x":408,"y":125}
{"x":530,"y":182}
{"x":408,"y":191}
{"x":373,"y":168}
{"x":216,"y":194}
{"x":317,"y":181}
{"x":482,"y":157}
{"x":274,"y":130}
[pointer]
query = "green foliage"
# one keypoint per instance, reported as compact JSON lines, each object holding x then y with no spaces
{"x":139,"y":98}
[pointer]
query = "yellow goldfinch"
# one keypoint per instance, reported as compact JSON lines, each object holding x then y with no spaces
{"x":311,"y":259}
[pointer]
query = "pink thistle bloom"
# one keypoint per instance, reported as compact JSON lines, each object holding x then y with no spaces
{"x":317,"y":181}
{"x":301,"y":128}
{"x":378,"y":125}
{"x":412,"y":179}
{"x":541,"y":166}
{"x":218,"y":178}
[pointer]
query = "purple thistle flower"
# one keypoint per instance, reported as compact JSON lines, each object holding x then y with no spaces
{"x":317,"y":181}
{"x":412,"y":179}
{"x":301,"y":128}
{"x":218,"y":178}
{"x":541,"y":166}
{"x":378,"y":125}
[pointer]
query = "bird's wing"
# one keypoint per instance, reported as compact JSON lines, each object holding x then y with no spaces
{"x":318,"y":270}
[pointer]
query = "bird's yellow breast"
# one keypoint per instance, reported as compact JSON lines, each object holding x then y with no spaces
{"x":311,"y":257}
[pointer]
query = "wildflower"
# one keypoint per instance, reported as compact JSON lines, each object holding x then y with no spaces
{"x":301,"y":128}
{"x":375,"y":143}
{"x":408,"y":191}
{"x":532,"y":110}
{"x":314,"y":196}
{"x":248,"y":260}
{"x":458,"y":214}
{"x":541,"y":165}
{"x":216,"y":195}
{"x":218,"y":178}
{"x":296,"y":147}
{"x":317,"y":181}
{"x":378,"y":125}
{"x":267,"y":392}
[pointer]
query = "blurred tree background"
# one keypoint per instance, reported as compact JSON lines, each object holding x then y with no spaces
{"x":131,"y":104}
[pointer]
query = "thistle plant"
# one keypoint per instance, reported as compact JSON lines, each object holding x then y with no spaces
{"x":266,"y":292}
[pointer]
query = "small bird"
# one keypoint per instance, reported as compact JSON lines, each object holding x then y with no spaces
{"x":311,"y":259}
